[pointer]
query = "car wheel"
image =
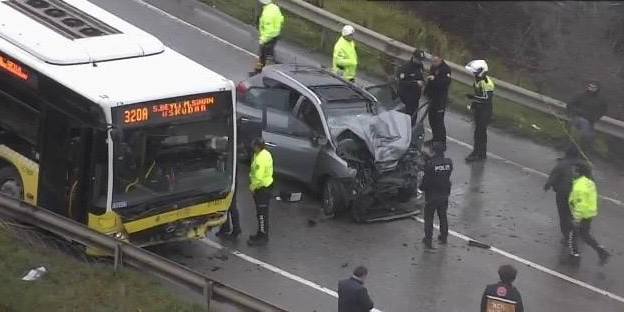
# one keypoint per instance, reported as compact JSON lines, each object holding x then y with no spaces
{"x":11,"y":183}
{"x":332,"y":199}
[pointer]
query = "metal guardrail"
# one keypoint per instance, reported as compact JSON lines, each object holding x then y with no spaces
{"x":403,"y":52}
{"x":124,"y":252}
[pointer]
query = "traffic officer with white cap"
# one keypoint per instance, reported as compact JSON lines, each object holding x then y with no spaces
{"x":345,"y":57}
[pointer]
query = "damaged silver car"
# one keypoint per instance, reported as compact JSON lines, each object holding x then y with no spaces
{"x":355,"y":148}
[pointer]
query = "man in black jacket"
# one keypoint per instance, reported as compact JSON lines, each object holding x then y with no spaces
{"x":560,"y":179}
{"x":438,"y":82}
{"x":352,"y":295}
{"x":436,"y":185}
{"x":410,"y":78}
{"x":585,"y":110}
{"x":503,"y":290}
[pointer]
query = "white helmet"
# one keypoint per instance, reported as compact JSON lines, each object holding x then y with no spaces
{"x":265,"y":1}
{"x":477,"y":67}
{"x":348,"y":30}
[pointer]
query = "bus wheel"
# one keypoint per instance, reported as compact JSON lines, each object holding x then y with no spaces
{"x":11,"y":183}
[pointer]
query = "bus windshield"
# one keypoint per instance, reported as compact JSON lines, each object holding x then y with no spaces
{"x":161,"y":164}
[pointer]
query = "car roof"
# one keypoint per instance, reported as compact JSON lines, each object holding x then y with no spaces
{"x":327,"y":86}
{"x":309,"y":76}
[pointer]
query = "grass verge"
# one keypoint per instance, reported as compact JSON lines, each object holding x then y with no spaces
{"x":71,"y":285}
{"x":509,"y":116}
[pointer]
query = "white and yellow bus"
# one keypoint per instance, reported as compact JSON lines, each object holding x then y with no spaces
{"x":102,"y":123}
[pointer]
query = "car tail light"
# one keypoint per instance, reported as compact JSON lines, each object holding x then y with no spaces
{"x":241,"y":89}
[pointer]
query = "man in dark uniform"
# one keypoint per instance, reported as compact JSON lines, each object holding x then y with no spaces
{"x":410,"y":78}
{"x":438,"y":82}
{"x":560,"y":179}
{"x":232,"y":230}
{"x":352,"y":295}
{"x":436,"y":185}
{"x":481,"y":107}
{"x":503,"y":290}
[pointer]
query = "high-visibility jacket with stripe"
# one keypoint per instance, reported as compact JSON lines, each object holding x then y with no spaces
{"x":261,"y":171}
{"x":583,"y":199}
{"x":345,"y":58}
{"x":484,"y":90}
{"x":270,"y":24}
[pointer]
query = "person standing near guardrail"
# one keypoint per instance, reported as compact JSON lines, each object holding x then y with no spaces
{"x":269,"y":29}
{"x":584,"y":111}
{"x":438,"y":83}
{"x":344,"y":61}
{"x":411,"y":80}
{"x":481,"y":107}
{"x":261,"y":184}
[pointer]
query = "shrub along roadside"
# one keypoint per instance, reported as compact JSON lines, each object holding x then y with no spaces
{"x":509,"y":116}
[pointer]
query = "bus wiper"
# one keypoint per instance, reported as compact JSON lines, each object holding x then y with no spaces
{"x":190,"y":194}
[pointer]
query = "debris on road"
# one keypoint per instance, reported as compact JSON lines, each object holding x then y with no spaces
{"x":34,"y":274}
{"x":289,"y":197}
{"x":344,"y":265}
{"x":478,"y":244}
{"x":311,"y":223}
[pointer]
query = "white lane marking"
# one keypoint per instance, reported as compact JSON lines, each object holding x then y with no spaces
{"x":535,"y":265}
{"x":456,"y":234}
{"x":507,"y":161}
{"x":213,"y":36}
{"x":275,"y":269}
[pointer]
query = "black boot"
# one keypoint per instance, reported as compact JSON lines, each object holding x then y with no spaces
{"x":442,"y":239}
{"x":475,"y":157}
{"x":427,"y":243}
{"x":604,"y":256}
{"x":262,"y":237}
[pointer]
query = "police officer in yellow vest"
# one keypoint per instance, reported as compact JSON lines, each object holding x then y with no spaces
{"x":269,"y":28}
{"x":481,"y":107}
{"x":344,"y":61}
{"x":584,"y":207}
{"x":260,"y":184}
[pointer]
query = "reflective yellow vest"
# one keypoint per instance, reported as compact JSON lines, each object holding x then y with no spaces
{"x":261,"y":171}
{"x":583,"y":199}
{"x":270,"y":24}
{"x":345,"y":57}
{"x":484,"y":89}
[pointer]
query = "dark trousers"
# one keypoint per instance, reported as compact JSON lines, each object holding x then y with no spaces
{"x":565,"y":216}
{"x":431,"y":207}
{"x":482,"y":118}
{"x":262,"y":197}
{"x":232,"y":224}
{"x":410,"y":96}
{"x":267,"y":50}
{"x":436,"y":121}
{"x":583,"y":230}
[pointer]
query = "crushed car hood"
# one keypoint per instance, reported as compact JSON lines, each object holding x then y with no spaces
{"x":387,"y":134}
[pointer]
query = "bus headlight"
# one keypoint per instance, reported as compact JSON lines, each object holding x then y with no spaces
{"x":122,"y":236}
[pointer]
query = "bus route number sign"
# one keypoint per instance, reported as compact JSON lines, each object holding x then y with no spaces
{"x":16,"y":70}
{"x":159,"y":111}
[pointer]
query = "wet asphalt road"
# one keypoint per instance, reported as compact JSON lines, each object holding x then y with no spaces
{"x":497,"y":202}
